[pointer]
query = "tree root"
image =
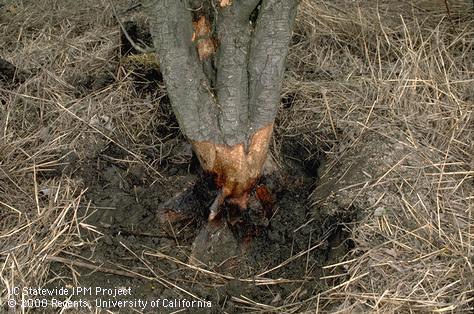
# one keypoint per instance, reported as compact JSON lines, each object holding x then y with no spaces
{"x":229,"y":229}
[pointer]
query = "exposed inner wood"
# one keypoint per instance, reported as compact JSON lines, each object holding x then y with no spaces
{"x":226,"y":96}
{"x":205,"y":44}
{"x":235,"y":169}
{"x":222,"y":94}
{"x":225,"y":3}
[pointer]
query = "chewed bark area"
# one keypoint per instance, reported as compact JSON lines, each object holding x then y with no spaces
{"x":202,"y":35}
{"x":234,"y":168}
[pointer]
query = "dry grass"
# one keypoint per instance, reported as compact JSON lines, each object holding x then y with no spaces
{"x":407,"y":78}
{"x":46,"y":126}
{"x":357,"y":72}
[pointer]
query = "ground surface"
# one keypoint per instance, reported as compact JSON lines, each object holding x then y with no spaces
{"x":373,"y":185}
{"x":124,"y":210}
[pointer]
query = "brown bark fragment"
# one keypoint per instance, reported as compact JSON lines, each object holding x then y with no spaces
{"x":235,"y":169}
{"x":266,"y":200}
{"x":205,"y":44}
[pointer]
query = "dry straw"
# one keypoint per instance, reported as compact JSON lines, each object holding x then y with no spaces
{"x":392,"y":82}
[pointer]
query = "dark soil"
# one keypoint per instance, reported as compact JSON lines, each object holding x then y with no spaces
{"x":276,"y":260}
{"x":9,"y":73}
{"x":279,"y":263}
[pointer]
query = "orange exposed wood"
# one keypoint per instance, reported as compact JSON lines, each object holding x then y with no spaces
{"x":202,"y":36}
{"x":235,"y":170}
{"x":225,"y":3}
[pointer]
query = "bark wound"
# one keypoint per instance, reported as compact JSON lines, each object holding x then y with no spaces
{"x":225,"y":3}
{"x":235,"y":169}
{"x":205,"y":44}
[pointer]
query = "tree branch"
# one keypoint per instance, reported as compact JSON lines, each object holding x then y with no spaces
{"x":188,"y":88}
{"x":266,"y":66}
{"x":135,"y":46}
{"x":234,"y":31}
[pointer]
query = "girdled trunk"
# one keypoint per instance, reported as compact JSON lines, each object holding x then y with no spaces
{"x":223,"y":64}
{"x":236,"y":169}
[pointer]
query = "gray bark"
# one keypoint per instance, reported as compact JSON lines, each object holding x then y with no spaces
{"x":188,"y":88}
{"x":268,"y":53}
{"x":234,"y":34}
{"x":249,"y":65}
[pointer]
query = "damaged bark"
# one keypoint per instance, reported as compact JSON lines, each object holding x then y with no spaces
{"x":223,"y":64}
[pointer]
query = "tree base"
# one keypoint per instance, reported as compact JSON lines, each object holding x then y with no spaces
{"x":232,"y":228}
{"x":235,"y":168}
{"x":192,"y":203}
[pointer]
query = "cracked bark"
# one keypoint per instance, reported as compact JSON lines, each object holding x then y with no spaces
{"x":225,"y":100}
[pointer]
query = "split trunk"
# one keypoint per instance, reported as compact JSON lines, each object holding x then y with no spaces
{"x":223,"y":64}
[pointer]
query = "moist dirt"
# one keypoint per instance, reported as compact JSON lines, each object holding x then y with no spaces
{"x":280,"y":259}
{"x":371,"y":194}
{"x":278,"y":262}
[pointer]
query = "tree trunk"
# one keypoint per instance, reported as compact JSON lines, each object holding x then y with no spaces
{"x":223,"y":64}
